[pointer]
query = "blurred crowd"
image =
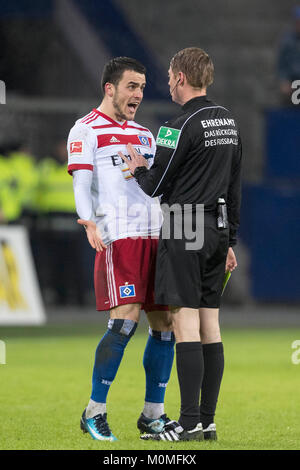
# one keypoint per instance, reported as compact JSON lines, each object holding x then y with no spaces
{"x":38,"y":194}
{"x":29,"y":186}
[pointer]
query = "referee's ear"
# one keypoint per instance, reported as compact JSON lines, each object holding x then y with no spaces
{"x":181,"y":78}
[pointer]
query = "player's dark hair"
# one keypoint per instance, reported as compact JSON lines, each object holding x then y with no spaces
{"x":114,"y":69}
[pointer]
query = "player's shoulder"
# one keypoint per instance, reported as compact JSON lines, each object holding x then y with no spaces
{"x":92,"y":119}
{"x":138,"y":127}
{"x":84,"y":126}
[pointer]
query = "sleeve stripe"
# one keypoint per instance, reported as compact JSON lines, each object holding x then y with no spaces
{"x":172,"y":156}
{"x":78,"y":166}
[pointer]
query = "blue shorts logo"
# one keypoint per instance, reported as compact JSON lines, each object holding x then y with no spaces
{"x":144,"y":140}
{"x":127,"y":291}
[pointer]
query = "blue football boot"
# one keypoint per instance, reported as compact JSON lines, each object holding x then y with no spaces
{"x":97,"y":427}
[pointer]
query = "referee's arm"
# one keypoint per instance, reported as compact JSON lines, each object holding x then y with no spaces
{"x":166,"y":163}
{"x":234,"y":197}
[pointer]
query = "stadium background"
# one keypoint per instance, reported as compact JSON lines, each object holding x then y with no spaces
{"x":52,"y":53}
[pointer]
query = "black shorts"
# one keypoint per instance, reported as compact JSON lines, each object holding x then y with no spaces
{"x":188,"y":278}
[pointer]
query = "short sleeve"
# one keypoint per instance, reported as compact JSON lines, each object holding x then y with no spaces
{"x":81,"y":148}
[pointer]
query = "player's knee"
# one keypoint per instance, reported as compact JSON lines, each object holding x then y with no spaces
{"x":125,"y":328}
{"x":126,"y":312}
{"x":160,"y":321}
{"x":211,"y":335}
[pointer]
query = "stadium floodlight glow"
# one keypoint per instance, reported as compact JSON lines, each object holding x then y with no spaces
{"x":2,"y":92}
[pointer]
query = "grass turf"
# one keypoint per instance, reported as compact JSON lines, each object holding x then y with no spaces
{"x":45,"y":385}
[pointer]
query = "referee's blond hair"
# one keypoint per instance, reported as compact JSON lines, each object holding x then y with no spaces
{"x":196,"y":64}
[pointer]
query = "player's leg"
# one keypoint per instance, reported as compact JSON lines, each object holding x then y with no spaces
{"x":178,"y":282}
{"x":158,"y":360}
{"x":121,"y":327}
{"x":189,"y":361}
{"x":213,"y":353}
{"x":109,"y":353}
{"x":159,"y":351}
{"x":213,"y":356}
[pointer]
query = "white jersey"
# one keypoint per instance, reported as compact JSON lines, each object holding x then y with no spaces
{"x":119,"y":207}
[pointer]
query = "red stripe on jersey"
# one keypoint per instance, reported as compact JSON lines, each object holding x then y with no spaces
{"x":117,"y":139}
{"x":103,"y":126}
{"x":76,"y":166}
{"x":91,"y":119}
{"x":88,"y":116}
{"x":138,"y":128}
{"x":110,"y":119}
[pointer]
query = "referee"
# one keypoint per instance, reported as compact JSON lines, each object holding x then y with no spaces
{"x":197,"y":165}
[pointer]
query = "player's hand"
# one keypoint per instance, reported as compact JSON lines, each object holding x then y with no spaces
{"x":93,"y":234}
{"x":231,"y":262}
{"x":136,"y":159}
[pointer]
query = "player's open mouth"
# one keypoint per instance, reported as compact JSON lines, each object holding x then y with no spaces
{"x":133,"y":106}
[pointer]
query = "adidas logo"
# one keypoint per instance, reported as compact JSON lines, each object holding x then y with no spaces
{"x":113,"y":140}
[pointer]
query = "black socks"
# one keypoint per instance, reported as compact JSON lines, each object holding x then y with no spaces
{"x":199,"y":368}
{"x":213,"y":356}
{"x":190,"y":368}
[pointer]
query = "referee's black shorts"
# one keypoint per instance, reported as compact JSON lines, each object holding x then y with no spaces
{"x":188,"y":278}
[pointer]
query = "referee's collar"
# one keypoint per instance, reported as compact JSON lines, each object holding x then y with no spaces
{"x":197,"y":100}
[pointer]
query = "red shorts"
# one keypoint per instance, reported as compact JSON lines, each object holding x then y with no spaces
{"x":124,"y":274}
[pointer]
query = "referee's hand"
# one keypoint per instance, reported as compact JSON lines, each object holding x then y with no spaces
{"x":93,"y":234}
{"x":231,"y":262}
{"x":136,"y":159}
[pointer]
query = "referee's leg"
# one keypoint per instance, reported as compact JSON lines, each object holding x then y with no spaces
{"x":213,"y":357}
{"x":189,"y":362}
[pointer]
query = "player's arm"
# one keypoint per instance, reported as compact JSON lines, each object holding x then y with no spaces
{"x":169,"y":156}
{"x":234,"y":197}
{"x":81,"y":146}
{"x":82,"y":182}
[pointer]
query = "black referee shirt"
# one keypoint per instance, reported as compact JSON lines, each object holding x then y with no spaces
{"x":198,"y":160}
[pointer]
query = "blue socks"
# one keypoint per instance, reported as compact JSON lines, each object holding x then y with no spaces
{"x":108,"y":356}
{"x":158,"y":361}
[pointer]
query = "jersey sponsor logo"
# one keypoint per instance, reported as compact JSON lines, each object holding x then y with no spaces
{"x":127,"y":291}
{"x":144,"y":140}
{"x":117,"y":160}
{"x":76,"y":147}
{"x":168,"y":137}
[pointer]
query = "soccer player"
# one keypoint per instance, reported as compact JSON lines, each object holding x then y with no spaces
{"x":198,"y":163}
{"x":122,"y":224}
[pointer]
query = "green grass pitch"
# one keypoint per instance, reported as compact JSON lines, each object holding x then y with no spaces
{"x":45,"y":384}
